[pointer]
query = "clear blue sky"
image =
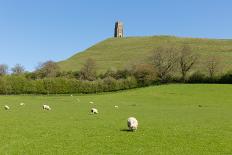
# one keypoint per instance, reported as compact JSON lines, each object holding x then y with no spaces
{"x":33,"y":31}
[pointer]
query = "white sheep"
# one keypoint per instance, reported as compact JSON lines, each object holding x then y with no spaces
{"x":132,"y":123}
{"x":6,"y":107}
{"x":116,"y":106}
{"x":22,"y":104}
{"x":46,"y":107}
{"x":91,"y":102}
{"x":94,"y":111}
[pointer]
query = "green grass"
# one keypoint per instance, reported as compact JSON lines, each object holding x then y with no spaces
{"x":118,"y":53}
{"x":170,"y":122}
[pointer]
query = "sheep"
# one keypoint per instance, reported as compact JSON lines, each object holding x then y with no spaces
{"x":91,"y":102}
{"x":46,"y":107}
{"x":116,"y":106}
{"x":132,"y":123}
{"x":22,"y":104}
{"x":94,"y":111}
{"x":6,"y":107}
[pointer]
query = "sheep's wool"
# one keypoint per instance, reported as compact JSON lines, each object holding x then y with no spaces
{"x":6,"y":107}
{"x":46,"y":107}
{"x":132,"y":123}
{"x":94,"y":111}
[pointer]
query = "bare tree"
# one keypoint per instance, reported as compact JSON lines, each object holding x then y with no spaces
{"x":164,"y":61}
{"x":3,"y":69}
{"x":186,"y":60}
{"x":18,"y":69}
{"x":48,"y":69}
{"x":212,"y":65}
{"x":145,"y":74}
{"x":88,"y":71}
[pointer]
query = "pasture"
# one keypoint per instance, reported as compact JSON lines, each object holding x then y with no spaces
{"x":173,"y":119}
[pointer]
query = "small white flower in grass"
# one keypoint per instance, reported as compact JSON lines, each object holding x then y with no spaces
{"x":21,"y":103}
{"x":71,"y":95}
{"x":116,"y":106}
{"x":91,"y":102}
{"x":132,"y":123}
{"x":6,"y":107}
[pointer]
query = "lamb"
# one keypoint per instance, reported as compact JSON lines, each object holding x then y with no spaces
{"x":132,"y":123}
{"x":94,"y":111}
{"x":46,"y":107}
{"x":6,"y":107}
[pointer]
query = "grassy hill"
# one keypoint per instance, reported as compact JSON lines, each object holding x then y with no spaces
{"x":116,"y":53}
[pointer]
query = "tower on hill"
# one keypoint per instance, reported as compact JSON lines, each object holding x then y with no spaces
{"x":118,"y":30}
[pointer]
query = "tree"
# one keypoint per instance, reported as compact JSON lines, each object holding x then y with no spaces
{"x":145,"y":74}
{"x":88,"y":71}
{"x":164,"y":61}
{"x":18,"y":69}
{"x":212,"y":65}
{"x":48,"y":69}
{"x":186,"y":60}
{"x":3,"y":69}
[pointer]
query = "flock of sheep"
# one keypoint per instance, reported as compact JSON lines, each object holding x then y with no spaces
{"x":132,"y":122}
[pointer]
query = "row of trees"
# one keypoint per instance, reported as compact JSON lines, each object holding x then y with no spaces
{"x":165,"y":64}
{"x":17,"y":69}
{"x":181,"y":60}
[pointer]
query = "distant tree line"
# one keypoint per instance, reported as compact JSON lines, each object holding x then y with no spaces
{"x":164,"y":65}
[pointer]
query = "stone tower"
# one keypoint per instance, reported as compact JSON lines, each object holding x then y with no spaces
{"x":118,"y":30}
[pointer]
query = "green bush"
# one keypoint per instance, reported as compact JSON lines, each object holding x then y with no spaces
{"x":197,"y":77}
{"x":145,"y":74}
{"x":226,"y":78}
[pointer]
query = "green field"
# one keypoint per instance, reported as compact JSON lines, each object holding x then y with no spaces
{"x":118,"y":53}
{"x":170,"y":122}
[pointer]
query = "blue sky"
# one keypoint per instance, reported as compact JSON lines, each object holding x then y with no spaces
{"x":33,"y":31}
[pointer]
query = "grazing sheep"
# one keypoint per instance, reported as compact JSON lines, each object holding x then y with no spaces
{"x":46,"y":107}
{"x":94,"y":111}
{"x":22,"y":103}
{"x":91,"y":102}
{"x":6,"y":107}
{"x":132,"y":123}
{"x":116,"y":106}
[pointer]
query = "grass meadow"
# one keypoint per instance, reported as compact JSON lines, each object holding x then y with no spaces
{"x":173,"y":119}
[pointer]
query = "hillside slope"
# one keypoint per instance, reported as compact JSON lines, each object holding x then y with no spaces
{"x":117,"y":53}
